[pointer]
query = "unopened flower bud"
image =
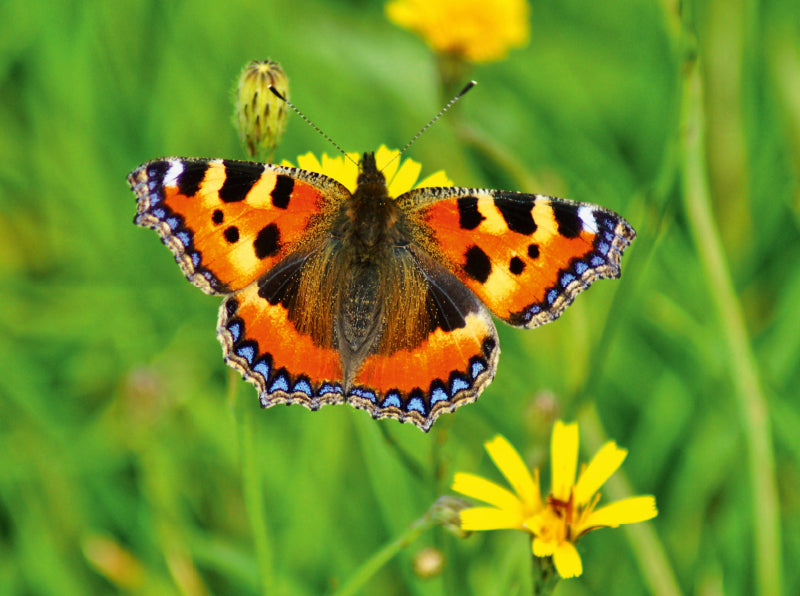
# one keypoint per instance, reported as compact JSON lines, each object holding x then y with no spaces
{"x":260,"y":115}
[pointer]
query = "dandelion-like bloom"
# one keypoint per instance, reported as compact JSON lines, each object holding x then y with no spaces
{"x":401,"y":176}
{"x":473,"y":30}
{"x":569,"y":510}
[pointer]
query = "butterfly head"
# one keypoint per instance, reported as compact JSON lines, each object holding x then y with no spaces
{"x":371,"y":181}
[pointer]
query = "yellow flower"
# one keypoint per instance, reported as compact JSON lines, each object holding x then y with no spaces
{"x":474,"y":30}
{"x":568,"y":512}
{"x":400,"y":176}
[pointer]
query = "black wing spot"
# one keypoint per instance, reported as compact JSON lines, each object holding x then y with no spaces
{"x":217,"y":217}
{"x":231,"y":234}
{"x":516,"y":266}
{"x":566,"y":216}
{"x":191,"y":178}
{"x":533,"y":251}
{"x":240,"y":176}
{"x":478,"y":265}
{"x":284,"y":185}
{"x":268,"y":241}
{"x":518,"y":214}
{"x":469,"y":217}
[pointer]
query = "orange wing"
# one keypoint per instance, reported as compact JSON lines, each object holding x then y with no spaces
{"x":525,"y":256}
{"x":452,"y":360}
{"x":228,"y":222}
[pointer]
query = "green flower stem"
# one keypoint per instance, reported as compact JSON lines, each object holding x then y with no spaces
{"x":545,"y":576}
{"x":500,"y":156}
{"x":750,"y":398}
{"x":645,"y":543}
{"x":254,"y":491}
{"x":371,"y":566}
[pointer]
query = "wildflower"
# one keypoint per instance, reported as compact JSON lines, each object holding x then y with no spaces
{"x":400,"y":176}
{"x":508,"y":510}
{"x":570,"y":509}
{"x":260,"y":116}
{"x":471,"y":30}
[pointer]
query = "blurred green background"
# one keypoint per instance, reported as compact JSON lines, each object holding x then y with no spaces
{"x":123,"y":438}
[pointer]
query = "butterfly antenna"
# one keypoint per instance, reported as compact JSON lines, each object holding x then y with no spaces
{"x":277,"y":94}
{"x":433,"y":120}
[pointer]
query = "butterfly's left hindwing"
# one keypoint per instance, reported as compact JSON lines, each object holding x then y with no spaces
{"x":525,"y":256}
{"x":228,"y":222}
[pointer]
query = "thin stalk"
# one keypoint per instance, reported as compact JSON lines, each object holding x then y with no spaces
{"x":545,"y":576}
{"x":254,"y":493}
{"x":750,"y":397}
{"x":371,"y":566}
{"x":646,"y":545}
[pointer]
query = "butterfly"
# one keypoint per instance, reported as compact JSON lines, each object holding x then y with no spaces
{"x":381,"y":302}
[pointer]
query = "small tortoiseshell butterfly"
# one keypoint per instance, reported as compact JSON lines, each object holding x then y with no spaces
{"x":381,"y":302}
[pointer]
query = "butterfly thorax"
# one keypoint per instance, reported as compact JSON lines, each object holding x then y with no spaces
{"x":368,"y":228}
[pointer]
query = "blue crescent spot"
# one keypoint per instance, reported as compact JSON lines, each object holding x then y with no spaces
{"x":597,"y":261}
{"x":458,"y":384}
{"x":246,"y":352}
{"x":303,"y":386}
{"x":172,"y":222}
{"x":364,"y":394}
{"x":608,"y":236}
{"x":391,"y":401}
{"x":262,"y":368}
{"x":328,"y":388}
{"x":280,"y":383}
{"x":416,"y":404}
{"x":581,"y":267}
{"x":195,"y":258}
{"x":535,"y":309}
{"x":159,"y":213}
{"x":185,"y":238}
{"x":235,"y":329}
{"x":603,"y":248}
{"x":438,"y":395}
{"x":566,"y":279}
{"x":152,"y":185}
{"x":476,"y":369}
{"x":551,"y":296}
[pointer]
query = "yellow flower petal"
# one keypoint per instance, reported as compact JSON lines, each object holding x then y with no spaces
{"x":489,"y":518}
{"x":543,"y":548}
{"x":308,"y":161}
{"x":508,"y":461}
{"x":404,"y":177}
{"x":386,"y":162}
{"x":626,"y":511}
{"x":603,"y":465}
{"x":437,"y":179}
{"x":567,"y":560}
{"x":563,"y":458}
{"x":486,"y":491}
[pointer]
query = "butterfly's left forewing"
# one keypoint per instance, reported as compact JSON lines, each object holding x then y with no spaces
{"x":228,"y":222}
{"x":525,"y":256}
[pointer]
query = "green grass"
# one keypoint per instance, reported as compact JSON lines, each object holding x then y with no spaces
{"x":121,"y":430}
